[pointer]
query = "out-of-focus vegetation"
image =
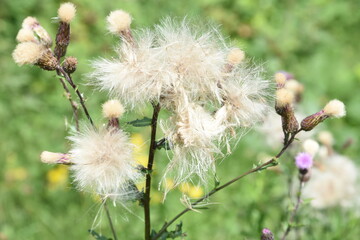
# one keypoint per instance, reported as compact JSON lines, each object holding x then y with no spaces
{"x":316,"y":40}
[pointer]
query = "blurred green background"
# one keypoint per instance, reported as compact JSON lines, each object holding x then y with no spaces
{"x":316,"y":40}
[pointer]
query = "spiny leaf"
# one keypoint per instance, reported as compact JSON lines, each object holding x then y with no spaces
{"x":98,"y":236}
{"x":141,"y":122}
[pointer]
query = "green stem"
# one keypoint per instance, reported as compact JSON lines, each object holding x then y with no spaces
{"x":110,"y":220}
{"x":146,"y":200}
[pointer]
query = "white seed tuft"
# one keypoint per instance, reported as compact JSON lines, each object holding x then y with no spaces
{"x":118,"y":21}
{"x":284,"y":97}
{"x":66,"y":12}
{"x":27,"y":53}
{"x":335,"y":108}
{"x":235,"y":56}
{"x":113,"y":109}
{"x":311,"y":146}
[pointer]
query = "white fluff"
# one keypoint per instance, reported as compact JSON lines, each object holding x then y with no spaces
{"x":335,"y":108}
{"x":103,"y":163}
{"x":333,"y":183}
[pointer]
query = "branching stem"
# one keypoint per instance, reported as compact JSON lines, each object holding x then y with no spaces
{"x":263,"y":166}
{"x":73,"y":104}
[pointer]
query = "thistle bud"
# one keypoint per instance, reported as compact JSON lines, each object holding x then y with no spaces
{"x":303,"y":162}
{"x":41,"y":35}
{"x":119,"y":23}
{"x":55,"y":158}
{"x":70,"y":64}
{"x":34,"y":54}
{"x":284,"y":98}
{"x":334,"y":108}
{"x":289,"y":121}
{"x":66,"y":13}
{"x":113,"y":110}
{"x":267,"y":235}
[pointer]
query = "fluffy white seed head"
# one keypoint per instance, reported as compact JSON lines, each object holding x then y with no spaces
{"x":284,"y":97}
{"x":334,"y":183}
{"x":103,"y":163}
{"x":280,"y":78}
{"x":27,"y":53}
{"x":66,"y":12}
{"x":30,"y":22}
{"x":25,"y":35}
{"x":235,"y":56}
{"x":113,"y":109}
{"x":311,"y":146}
{"x":335,"y":108}
{"x":326,"y":138}
{"x":118,"y":21}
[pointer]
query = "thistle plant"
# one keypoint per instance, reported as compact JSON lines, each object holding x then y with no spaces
{"x":209,"y":89}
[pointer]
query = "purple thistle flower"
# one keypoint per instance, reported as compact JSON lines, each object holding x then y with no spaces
{"x":267,"y":234}
{"x":303,"y":161}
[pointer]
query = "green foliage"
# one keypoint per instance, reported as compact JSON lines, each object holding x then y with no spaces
{"x":317,"y":40}
{"x":97,"y":236}
{"x":141,"y":122}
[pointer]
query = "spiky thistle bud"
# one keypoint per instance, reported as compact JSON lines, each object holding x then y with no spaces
{"x":334,"y":108}
{"x":284,"y":99}
{"x":119,"y":23}
{"x":267,"y":234}
{"x":55,"y":158}
{"x":113,"y":110}
{"x":41,"y":35}
{"x":66,"y":13}
{"x":70,"y":64}
{"x":34,"y":54}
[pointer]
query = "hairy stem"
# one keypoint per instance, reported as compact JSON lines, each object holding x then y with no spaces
{"x":72,"y":103}
{"x":146,"y":200}
{"x":73,"y":85}
{"x":110,"y":221}
{"x":263,"y":166}
{"x":293,"y":213}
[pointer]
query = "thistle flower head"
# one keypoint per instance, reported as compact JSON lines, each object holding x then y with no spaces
{"x":113,"y":109}
{"x":28,"y":53}
{"x":55,"y":158}
{"x":304,"y":161}
{"x":25,"y":35}
{"x":235,"y":56}
{"x":311,"y":147}
{"x":103,"y":163}
{"x":284,"y":97}
{"x":326,"y":138}
{"x":118,"y":21}
{"x":294,"y":86}
{"x":266,"y":234}
{"x":280,"y":79}
{"x":30,"y":22}
{"x":335,"y":108}
{"x":66,"y":12}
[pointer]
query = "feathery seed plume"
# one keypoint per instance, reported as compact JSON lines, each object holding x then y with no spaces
{"x":66,"y":12}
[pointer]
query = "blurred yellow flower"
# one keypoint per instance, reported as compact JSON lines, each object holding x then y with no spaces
{"x":169,"y":183}
{"x":141,"y":159}
{"x":57,"y":177}
{"x":195,"y":192}
{"x":184,"y":187}
{"x":141,"y":186}
{"x":156,"y":197}
{"x":139,"y":142}
{"x":16,"y":174}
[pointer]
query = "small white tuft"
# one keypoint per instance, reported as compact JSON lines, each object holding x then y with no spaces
{"x":326,"y":138}
{"x":103,"y":163}
{"x":25,"y":35}
{"x":335,"y":108}
{"x":118,"y":21}
{"x":27,"y":53}
{"x":235,"y":56}
{"x":311,"y":146}
{"x":280,"y":78}
{"x":112,"y":109}
{"x":284,"y":97}
{"x":66,"y":12}
{"x":53,"y":158}
{"x":30,"y":22}
{"x":294,"y":86}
